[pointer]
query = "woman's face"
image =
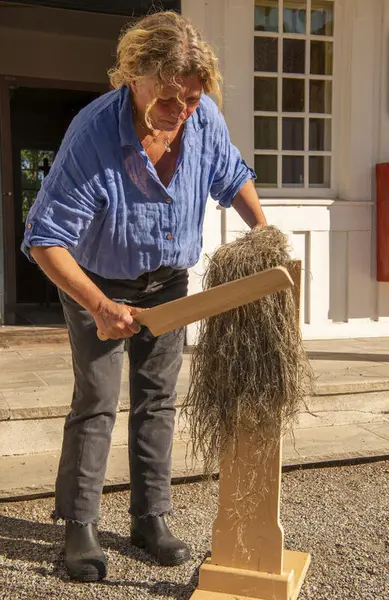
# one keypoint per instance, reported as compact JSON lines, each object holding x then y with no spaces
{"x":173,"y":106}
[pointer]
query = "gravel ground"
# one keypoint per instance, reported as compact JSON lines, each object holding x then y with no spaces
{"x":340,"y":515}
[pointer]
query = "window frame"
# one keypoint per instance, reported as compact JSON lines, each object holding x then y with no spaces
{"x":297,"y":191}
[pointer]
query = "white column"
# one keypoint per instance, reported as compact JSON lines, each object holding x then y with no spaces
{"x":195,"y":10}
{"x":208,"y":17}
{"x":364,"y":128}
{"x":239,"y":86}
{"x":360,"y":63}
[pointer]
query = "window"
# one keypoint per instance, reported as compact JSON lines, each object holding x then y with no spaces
{"x":34,"y":165}
{"x":293,"y":93}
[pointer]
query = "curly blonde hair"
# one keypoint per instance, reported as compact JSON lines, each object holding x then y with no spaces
{"x":167,"y":46}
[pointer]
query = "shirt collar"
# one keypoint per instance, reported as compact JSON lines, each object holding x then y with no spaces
{"x":199,"y":118}
{"x":127,"y":133}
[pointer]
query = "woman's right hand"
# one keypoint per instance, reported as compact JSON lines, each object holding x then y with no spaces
{"x":116,"y":321}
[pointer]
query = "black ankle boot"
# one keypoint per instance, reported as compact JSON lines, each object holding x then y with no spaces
{"x":84,"y":558}
{"x":152,"y":534}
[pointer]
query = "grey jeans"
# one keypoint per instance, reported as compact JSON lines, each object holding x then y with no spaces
{"x":154,"y":367}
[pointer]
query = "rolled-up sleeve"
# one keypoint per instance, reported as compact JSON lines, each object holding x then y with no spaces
{"x":69,"y":199}
{"x":231,"y":172}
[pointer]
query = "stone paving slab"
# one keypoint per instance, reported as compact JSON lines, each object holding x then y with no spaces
{"x":351,"y":410}
{"x":38,"y":383}
{"x":29,"y":436}
{"x":42,"y":403}
{"x":380,"y":429}
{"x":9,"y":357}
{"x":379,"y":371}
{"x":35,"y":362}
{"x":57,"y":377}
{"x":326,"y":411}
{"x":4,"y":408}
{"x":367,"y":344}
{"x":328,"y":365}
{"x":20,"y":379}
{"x":15,"y":336}
{"x":49,"y":402}
{"x":322,"y":443}
{"x":62,"y":350}
{"x":35,"y":474}
{"x":38,"y":403}
{"x":28,"y":432}
{"x":33,"y":371}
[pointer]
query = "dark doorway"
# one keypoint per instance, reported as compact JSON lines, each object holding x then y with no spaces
{"x":39,"y":119}
{"x":130,"y":8}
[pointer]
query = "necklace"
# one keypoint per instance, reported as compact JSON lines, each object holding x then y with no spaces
{"x":166,"y":142}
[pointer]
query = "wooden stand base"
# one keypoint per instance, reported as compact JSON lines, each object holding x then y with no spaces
{"x":227,"y":583}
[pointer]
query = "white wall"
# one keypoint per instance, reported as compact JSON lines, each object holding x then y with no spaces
{"x":57,"y":44}
{"x":53,"y":56}
{"x":334,"y":238}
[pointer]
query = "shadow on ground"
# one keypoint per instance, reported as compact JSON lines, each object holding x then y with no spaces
{"x":34,"y":542}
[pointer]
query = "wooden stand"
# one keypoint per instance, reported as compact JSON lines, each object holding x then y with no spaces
{"x":258,"y":568}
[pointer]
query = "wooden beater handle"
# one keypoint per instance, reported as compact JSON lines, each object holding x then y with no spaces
{"x":178,"y":313}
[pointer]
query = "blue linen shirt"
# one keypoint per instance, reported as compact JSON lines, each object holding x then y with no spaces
{"x":104,"y":202}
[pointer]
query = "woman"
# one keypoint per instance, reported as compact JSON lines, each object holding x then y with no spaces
{"x":116,"y":225}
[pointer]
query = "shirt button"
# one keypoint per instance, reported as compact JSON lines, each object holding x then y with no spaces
{"x":169,"y":200}
{"x":29,"y":226}
{"x":169,"y":236}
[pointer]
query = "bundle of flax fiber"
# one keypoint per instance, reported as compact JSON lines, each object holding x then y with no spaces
{"x":249,"y":370}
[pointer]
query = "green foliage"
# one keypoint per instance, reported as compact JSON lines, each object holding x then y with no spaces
{"x":32,"y":173}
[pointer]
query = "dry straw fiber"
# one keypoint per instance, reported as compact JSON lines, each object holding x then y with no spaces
{"x":249,"y":370}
